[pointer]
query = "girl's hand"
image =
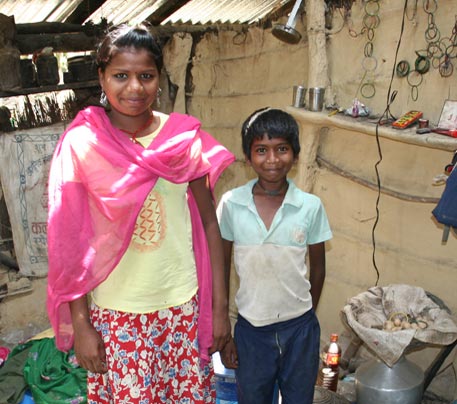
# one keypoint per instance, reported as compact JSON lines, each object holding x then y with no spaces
{"x":221,"y":324}
{"x":221,"y":330}
{"x":89,"y":349}
{"x":229,"y":355}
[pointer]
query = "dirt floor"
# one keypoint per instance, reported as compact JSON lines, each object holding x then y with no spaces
{"x":430,"y":398}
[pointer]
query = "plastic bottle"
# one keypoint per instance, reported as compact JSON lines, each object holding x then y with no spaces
{"x":329,"y":369}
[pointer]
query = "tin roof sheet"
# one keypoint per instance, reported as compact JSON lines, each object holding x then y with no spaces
{"x":224,"y":11}
{"x":115,"y":11}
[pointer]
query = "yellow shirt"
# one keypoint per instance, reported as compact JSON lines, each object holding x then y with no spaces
{"x":158,"y":269}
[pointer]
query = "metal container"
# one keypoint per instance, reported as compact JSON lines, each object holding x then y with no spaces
{"x":28,"y":73}
{"x":47,"y":70}
{"x":298,"y":97}
{"x":10,"y":71}
{"x":81,"y":68}
{"x":316,"y":98}
{"x":377,"y":383}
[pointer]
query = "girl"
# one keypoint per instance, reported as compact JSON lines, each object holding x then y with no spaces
{"x":132,"y":226}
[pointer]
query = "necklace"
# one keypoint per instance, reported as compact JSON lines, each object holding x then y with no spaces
{"x":274,"y":192}
{"x":134,"y":134}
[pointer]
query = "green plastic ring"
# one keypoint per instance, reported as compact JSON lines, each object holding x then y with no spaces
{"x":422,"y":64}
{"x":402,"y":68}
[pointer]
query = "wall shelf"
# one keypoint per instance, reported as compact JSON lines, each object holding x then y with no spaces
{"x":368,"y":126}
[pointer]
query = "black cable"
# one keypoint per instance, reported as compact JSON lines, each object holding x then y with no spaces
{"x":387,"y":114}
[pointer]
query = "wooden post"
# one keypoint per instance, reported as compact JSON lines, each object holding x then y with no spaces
{"x":317,"y":77}
{"x":317,"y":53}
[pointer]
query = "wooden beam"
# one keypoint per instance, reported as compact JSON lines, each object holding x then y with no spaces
{"x":67,"y":42}
{"x":165,"y":10}
{"x":57,"y":28}
{"x":47,"y":89}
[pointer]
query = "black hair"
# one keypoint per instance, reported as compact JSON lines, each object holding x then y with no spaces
{"x":271,"y":122}
{"x":124,"y":36}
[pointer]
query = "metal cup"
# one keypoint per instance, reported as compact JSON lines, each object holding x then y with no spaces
{"x":298,"y":99}
{"x":423,"y":123}
{"x":316,"y":98}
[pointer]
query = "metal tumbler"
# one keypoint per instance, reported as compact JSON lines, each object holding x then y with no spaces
{"x":316,"y":98}
{"x":298,"y":99}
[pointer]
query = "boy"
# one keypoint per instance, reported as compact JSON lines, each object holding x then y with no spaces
{"x":272,"y":225}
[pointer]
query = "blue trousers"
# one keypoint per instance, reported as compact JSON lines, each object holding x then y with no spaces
{"x":285,"y":354}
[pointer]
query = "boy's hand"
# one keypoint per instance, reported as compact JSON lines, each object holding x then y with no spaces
{"x":229,"y":355}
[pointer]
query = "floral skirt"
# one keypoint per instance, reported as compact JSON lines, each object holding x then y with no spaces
{"x":152,"y":358}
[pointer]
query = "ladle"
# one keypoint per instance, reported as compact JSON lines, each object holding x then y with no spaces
{"x":288,"y":33}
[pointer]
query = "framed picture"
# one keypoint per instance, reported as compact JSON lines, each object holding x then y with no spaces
{"x":448,"y":118}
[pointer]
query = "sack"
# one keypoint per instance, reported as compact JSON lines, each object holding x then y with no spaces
{"x":446,"y":210}
{"x":25,"y":157}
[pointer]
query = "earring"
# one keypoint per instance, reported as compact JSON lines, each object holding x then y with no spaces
{"x":159,"y":92}
{"x":103,"y":99}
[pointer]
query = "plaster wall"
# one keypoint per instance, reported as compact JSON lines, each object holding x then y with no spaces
{"x":347,"y":44}
{"x":234,"y":72}
{"x":233,"y":78}
{"x":408,"y":240}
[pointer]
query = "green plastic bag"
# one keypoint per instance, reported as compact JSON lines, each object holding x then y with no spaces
{"x":12,"y":383}
{"x":54,"y":377}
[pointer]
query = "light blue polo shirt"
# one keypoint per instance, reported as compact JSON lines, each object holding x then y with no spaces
{"x":271,"y":263}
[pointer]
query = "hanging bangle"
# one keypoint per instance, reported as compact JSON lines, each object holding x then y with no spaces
{"x":414,"y":76}
{"x":368,"y":90}
{"x":402,"y":68}
{"x":422,"y":64}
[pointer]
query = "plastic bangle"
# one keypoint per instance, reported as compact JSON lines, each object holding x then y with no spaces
{"x":368,"y":49}
{"x":372,"y":7}
{"x":432,"y":33}
{"x":402,"y":68}
{"x":446,"y":68}
{"x":422,"y":64}
{"x":371,"y":21}
{"x":434,"y":50}
{"x":369,"y":64}
{"x":366,"y":87}
{"x":411,"y":76}
{"x":414,"y":93}
{"x":436,"y":62}
{"x":427,"y":6}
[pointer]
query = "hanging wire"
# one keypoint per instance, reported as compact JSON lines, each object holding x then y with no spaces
{"x":386,"y":115}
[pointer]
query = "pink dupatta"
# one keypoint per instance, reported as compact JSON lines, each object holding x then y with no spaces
{"x":98,"y":182}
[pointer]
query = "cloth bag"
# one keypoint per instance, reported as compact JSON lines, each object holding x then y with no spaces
{"x":446,"y":210}
{"x":366,"y":313}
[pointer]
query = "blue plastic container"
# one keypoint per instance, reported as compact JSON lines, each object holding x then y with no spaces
{"x":27,"y":398}
{"x":225,"y":382}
